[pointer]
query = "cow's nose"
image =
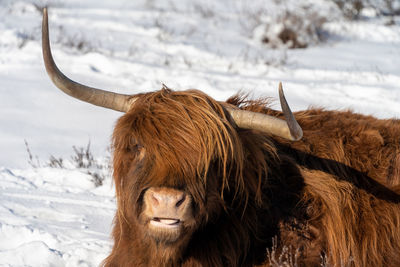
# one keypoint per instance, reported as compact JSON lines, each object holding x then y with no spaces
{"x":166,"y":202}
{"x":167,"y":198}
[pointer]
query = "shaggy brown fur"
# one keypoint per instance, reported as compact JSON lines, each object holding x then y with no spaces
{"x":332,"y":197}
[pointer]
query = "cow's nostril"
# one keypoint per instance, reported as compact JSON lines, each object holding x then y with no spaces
{"x":155,"y":200}
{"x":180,"y":201}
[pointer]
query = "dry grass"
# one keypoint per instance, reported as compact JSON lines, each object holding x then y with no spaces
{"x":82,"y":159}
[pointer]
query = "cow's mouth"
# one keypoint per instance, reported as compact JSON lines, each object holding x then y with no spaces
{"x":166,"y":223}
{"x":165,"y":230}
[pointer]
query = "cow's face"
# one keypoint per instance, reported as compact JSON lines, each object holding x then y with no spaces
{"x":160,"y":197}
{"x":174,"y":154}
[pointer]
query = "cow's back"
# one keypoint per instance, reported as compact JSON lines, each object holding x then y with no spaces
{"x":343,"y":139}
{"x":351,"y":168}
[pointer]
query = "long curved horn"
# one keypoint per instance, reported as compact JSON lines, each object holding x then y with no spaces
{"x":288,"y":129}
{"x":98,"y":97}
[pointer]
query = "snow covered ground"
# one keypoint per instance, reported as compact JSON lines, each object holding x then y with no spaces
{"x":57,"y":217}
{"x":53,"y":218}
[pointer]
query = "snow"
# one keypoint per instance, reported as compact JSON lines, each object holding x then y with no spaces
{"x":56,"y":216}
{"x":53,"y":217}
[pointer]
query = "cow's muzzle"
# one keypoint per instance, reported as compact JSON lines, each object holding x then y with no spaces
{"x":167,"y":210}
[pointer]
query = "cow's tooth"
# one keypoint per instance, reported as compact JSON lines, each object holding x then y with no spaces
{"x":165,"y":223}
{"x":169,"y":221}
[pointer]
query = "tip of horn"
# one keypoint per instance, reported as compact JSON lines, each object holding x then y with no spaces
{"x":282,"y":99}
{"x":44,"y":18}
{"x":44,"y":12}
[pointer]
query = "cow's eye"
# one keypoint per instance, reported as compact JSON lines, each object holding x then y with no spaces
{"x":134,"y":148}
{"x":139,"y":151}
{"x":138,"y":147}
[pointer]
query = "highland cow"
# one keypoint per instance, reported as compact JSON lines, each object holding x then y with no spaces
{"x":236,"y":183}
